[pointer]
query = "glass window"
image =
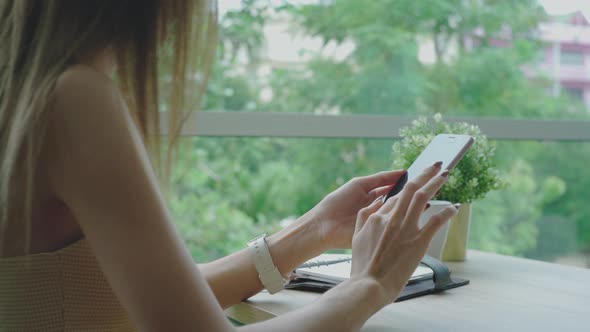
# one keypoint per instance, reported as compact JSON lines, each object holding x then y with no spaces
{"x":576,"y":93}
{"x":228,"y":190}
{"x":572,"y":58}
{"x":364,"y":57}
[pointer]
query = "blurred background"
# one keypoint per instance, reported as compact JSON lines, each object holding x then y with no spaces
{"x":526,"y":61}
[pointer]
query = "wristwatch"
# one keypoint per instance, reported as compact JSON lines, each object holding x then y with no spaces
{"x":268,"y":273}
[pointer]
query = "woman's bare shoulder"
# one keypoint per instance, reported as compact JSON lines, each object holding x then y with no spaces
{"x":87,"y":105}
{"x":81,"y":87}
{"x":87,"y":115}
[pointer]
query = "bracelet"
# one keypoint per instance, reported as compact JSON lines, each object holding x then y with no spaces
{"x":268,"y":273}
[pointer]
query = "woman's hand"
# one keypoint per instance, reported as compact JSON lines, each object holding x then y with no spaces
{"x":336,"y":214}
{"x":388,"y":244}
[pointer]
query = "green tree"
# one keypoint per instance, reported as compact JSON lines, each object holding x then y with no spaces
{"x":384,"y":75}
{"x":506,"y":221}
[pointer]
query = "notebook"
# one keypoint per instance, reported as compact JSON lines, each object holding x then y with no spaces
{"x":432,"y":276}
{"x":336,"y":273}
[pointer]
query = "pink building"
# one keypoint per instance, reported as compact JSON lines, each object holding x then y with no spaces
{"x":566,"y":57}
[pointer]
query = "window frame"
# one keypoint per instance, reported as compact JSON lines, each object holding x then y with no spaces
{"x":308,"y":125}
{"x":573,"y":54}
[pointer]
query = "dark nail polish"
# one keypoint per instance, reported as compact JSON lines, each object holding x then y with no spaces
{"x":427,"y":206}
{"x":457,"y":206}
{"x":445,"y":173}
{"x":437,"y":164}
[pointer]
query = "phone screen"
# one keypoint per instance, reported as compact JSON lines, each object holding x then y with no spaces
{"x":444,"y":147}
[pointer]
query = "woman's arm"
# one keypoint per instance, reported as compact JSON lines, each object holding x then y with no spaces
{"x":343,"y":308}
{"x":234,"y":278}
{"x":98,"y":167}
{"x":330,"y":224}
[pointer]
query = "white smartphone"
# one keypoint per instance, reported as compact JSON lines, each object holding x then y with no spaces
{"x":447,"y":148}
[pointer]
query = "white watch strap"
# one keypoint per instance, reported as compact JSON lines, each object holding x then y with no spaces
{"x":268,"y":273}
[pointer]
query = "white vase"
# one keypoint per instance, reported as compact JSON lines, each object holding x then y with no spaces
{"x":456,"y":244}
{"x":437,"y":244}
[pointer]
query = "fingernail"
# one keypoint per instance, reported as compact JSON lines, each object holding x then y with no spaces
{"x":445,"y":173}
{"x":438,"y":192}
{"x":457,"y":206}
{"x":427,"y":206}
{"x":437,"y":164}
{"x":378,"y":199}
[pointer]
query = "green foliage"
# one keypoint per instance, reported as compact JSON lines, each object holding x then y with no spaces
{"x":490,"y":81}
{"x":229,"y":92}
{"x":506,"y":221}
{"x":570,"y":162}
{"x":383,"y":74}
{"x":472,"y":178}
{"x":227,"y":190}
{"x":242,"y":29}
{"x":220,"y":204}
{"x":211,"y":227}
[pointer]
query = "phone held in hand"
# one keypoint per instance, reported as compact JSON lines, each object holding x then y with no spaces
{"x":447,"y":148}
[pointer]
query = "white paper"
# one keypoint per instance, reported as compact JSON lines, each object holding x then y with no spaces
{"x":335,"y":273}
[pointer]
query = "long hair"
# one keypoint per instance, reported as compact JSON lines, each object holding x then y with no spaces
{"x":40,"y":39}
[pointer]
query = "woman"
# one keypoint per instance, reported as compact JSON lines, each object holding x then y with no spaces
{"x":86,"y":240}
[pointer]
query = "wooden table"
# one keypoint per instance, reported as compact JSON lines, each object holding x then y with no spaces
{"x":505,"y":294}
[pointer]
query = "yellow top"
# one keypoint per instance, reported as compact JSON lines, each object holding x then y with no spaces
{"x":64,"y":290}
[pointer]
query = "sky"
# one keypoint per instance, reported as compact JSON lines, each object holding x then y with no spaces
{"x":551,"y":6}
{"x":566,"y":6}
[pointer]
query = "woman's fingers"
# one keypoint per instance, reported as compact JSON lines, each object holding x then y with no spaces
{"x":436,"y":222}
{"x":406,"y":195}
{"x":422,"y":196}
{"x":365,"y":213}
{"x":389,"y":204}
{"x":370,"y":182}
{"x":381,"y":191}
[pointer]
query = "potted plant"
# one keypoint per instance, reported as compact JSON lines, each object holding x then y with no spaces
{"x":472,"y":178}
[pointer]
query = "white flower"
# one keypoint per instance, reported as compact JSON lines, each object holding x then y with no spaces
{"x":452,"y":181}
